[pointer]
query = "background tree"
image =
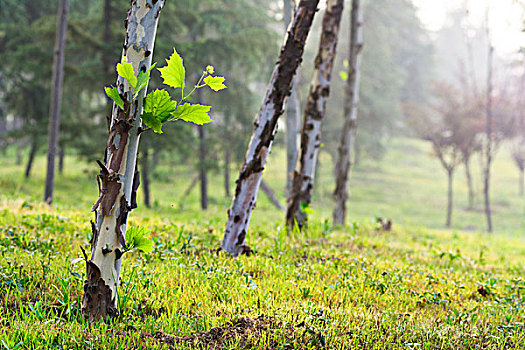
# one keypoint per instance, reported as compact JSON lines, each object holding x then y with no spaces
{"x":348,"y":131}
{"x":56,"y":97}
{"x":441,"y":123}
{"x":303,"y":180}
{"x":293,"y":113}
{"x":265,"y":127}
{"x":517,"y":150}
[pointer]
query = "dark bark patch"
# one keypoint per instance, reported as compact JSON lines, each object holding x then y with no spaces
{"x":117,"y":141}
{"x":109,"y":187}
{"x":136,"y":184}
{"x":241,"y":238}
{"x":122,"y":219}
{"x":98,"y":301}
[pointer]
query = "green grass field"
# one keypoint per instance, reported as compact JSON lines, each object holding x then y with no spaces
{"x":358,"y":287}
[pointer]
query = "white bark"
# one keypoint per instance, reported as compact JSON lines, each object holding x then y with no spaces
{"x":265,"y":128}
{"x":348,"y":134}
{"x":118,"y":178}
{"x":303,"y":180}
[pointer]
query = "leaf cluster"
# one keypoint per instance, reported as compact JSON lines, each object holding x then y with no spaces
{"x":159,"y":107}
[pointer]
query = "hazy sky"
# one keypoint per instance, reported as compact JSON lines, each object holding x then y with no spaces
{"x":506,"y":19}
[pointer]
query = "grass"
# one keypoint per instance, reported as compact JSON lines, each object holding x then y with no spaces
{"x":356,"y":287}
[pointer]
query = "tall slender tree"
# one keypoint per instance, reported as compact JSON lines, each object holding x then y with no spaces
{"x":488,"y":150}
{"x":348,"y":133}
{"x":265,"y":127}
{"x":303,"y":180}
{"x":118,"y":177}
{"x":293,"y":114}
{"x":56,"y":98}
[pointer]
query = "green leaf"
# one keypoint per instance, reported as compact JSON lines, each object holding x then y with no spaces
{"x":142,"y":80}
{"x":174,"y":73}
{"x":215,"y":83}
{"x":137,"y":238}
{"x":158,"y":103}
{"x":343,"y":75}
{"x":125,"y":70}
{"x":151,"y":122}
{"x":113,"y":94}
{"x":196,"y":114}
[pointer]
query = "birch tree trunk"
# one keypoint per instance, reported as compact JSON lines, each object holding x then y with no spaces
{"x":118,"y":179}
{"x":293,"y":114}
{"x":303,"y":180}
{"x":56,"y":98}
{"x":265,"y":127}
{"x":348,"y":134}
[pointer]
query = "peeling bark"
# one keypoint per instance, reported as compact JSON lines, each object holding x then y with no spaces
{"x":348,"y":133}
{"x":119,"y":178}
{"x":265,"y":127}
{"x":56,"y":97}
{"x":303,"y":180}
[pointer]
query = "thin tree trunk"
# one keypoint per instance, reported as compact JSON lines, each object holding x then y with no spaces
{"x":488,"y":149}
{"x":119,"y":178}
{"x":144,"y":171}
{"x":227,"y":160}
{"x":19,"y":153}
{"x":56,"y":97}
{"x":265,"y":127}
{"x":3,"y":130}
{"x":303,"y":181}
{"x":227,"y":152}
{"x":271,"y":195}
{"x":202,"y":168}
{"x":522,"y":178}
{"x":450,"y":193}
{"x":61,"y":156}
{"x":106,"y":39}
{"x":154,"y":161}
{"x":30,"y":159}
{"x":193,"y":182}
{"x":293,"y":114}
{"x":470,"y":184}
{"x":348,"y":134}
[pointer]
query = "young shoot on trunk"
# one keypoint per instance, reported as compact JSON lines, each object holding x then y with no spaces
{"x":119,"y":179}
